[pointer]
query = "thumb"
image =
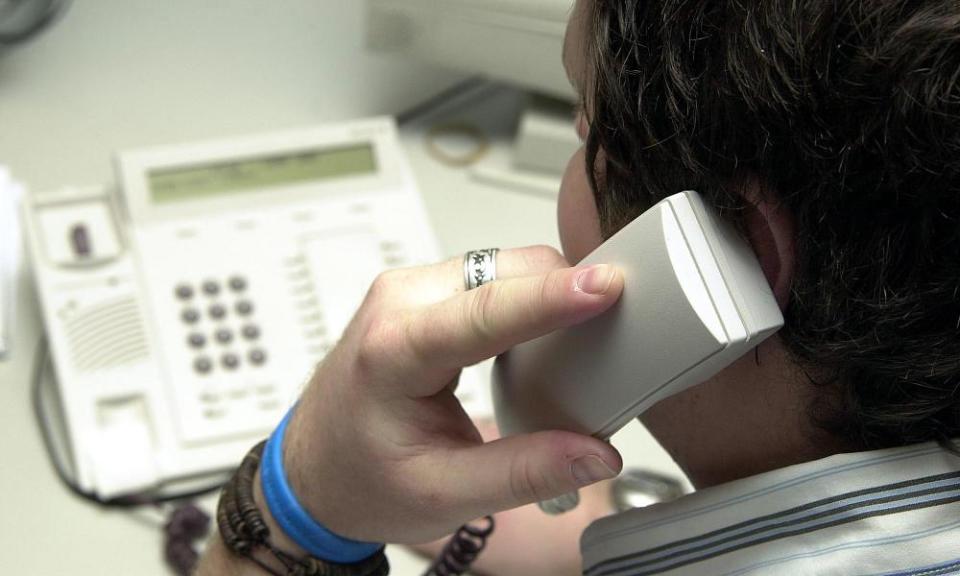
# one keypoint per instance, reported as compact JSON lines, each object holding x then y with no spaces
{"x":527,"y":468}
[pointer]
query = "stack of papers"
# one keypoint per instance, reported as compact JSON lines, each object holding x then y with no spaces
{"x":10,"y":193}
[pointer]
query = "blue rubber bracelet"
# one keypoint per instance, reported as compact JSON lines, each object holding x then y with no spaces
{"x":294,"y":520}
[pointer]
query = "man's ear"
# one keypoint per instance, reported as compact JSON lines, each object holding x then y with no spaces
{"x":770,"y":229}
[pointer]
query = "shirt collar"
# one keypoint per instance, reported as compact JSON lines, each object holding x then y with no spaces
{"x":744,"y":512}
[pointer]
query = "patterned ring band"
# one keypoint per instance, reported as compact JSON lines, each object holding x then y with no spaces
{"x":479,"y":267}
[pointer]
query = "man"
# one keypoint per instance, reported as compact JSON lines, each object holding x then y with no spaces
{"x":830,"y":134}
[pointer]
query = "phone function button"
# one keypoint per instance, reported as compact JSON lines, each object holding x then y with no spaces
{"x":223,"y":336}
{"x":230,"y":361}
{"x":80,"y":241}
{"x":209,"y":397}
{"x":183,"y":291}
{"x":312,"y":318}
{"x":214,"y":413}
{"x":202,"y":365}
{"x":238,"y":283}
{"x":244,"y":307}
{"x":217,"y":311}
{"x":269,"y":404}
{"x":318,"y":332}
{"x":190,"y":315}
{"x":211,"y":288}
{"x":196,"y":340}
{"x":257,"y":356}
{"x":251,"y":331}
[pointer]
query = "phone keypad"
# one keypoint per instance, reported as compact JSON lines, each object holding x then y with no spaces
{"x":225,"y":316}
{"x":224,"y":344}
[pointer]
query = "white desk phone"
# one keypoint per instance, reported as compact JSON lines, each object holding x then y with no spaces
{"x":185,"y":313}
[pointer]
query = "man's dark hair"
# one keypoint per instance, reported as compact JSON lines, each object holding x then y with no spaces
{"x":849,"y":114}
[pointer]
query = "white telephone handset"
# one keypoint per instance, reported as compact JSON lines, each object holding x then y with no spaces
{"x":694,"y":301}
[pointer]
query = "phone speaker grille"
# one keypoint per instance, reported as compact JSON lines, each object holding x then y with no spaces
{"x":107,"y":335}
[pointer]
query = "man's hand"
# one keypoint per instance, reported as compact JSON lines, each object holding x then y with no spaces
{"x":379,"y":448}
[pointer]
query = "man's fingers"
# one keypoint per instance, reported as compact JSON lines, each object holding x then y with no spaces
{"x":425,"y":285}
{"x":529,"y":261}
{"x":522,"y":469}
{"x":484,"y":322}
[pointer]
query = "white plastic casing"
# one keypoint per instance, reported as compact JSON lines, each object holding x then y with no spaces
{"x":694,"y":301}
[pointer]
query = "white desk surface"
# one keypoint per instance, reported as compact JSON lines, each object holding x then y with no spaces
{"x":118,"y":74}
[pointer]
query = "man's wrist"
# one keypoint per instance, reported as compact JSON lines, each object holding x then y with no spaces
{"x":310,"y":476}
{"x":299,"y":524}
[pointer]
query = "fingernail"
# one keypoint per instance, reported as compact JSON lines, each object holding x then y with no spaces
{"x":589,"y":469}
{"x":595,"y":279}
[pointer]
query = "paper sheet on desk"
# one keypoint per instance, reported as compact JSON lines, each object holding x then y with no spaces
{"x":10,"y":193}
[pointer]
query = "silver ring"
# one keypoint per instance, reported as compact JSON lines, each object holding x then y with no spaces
{"x":479,"y":267}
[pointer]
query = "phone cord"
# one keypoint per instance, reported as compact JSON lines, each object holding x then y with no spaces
{"x":462,"y":549}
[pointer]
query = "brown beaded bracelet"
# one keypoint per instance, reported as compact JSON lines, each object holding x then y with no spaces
{"x":246,"y":535}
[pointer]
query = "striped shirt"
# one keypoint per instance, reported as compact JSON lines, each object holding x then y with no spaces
{"x":894,"y":511}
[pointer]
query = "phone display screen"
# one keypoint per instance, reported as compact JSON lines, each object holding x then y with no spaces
{"x":249,"y":175}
